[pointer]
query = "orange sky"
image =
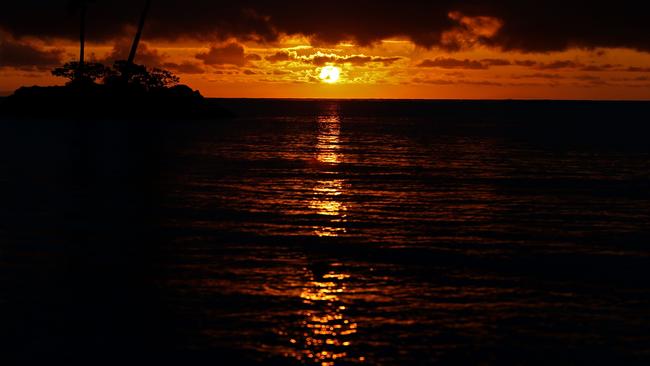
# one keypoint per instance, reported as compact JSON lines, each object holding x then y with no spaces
{"x":393,"y":68}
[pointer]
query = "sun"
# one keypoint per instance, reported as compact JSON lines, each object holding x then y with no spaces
{"x":330,"y":74}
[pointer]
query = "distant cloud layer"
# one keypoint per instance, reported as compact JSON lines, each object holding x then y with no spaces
{"x":230,"y":54}
{"x":322,"y":59}
{"x":27,"y":56}
{"x":532,"y":26}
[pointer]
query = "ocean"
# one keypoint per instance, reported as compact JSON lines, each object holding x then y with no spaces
{"x":330,"y":232}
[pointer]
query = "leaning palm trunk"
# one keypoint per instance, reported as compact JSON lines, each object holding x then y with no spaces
{"x":82,"y":40}
{"x":138,"y":35}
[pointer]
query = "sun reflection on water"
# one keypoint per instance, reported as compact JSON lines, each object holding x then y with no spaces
{"x":326,"y":204}
{"x":327,"y":332}
{"x":328,"y":142}
{"x":326,"y":200}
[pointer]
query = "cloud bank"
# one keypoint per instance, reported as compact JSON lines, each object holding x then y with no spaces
{"x":529,"y":26}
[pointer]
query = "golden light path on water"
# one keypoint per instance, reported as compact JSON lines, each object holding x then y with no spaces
{"x":326,"y":200}
{"x":326,"y":332}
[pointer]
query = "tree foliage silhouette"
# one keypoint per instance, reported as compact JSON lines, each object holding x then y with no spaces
{"x":92,"y":71}
{"x":140,"y":76}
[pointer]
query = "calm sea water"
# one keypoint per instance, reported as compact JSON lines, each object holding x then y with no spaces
{"x":330,"y":233}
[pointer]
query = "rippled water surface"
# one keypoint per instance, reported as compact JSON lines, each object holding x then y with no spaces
{"x":330,"y":233}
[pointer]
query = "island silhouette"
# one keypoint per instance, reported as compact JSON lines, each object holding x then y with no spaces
{"x":124,"y":90}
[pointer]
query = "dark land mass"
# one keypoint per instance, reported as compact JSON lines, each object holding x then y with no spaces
{"x":96,"y":102}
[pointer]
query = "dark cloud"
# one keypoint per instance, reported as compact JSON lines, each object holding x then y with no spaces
{"x":575,"y":65}
{"x":27,"y":56}
{"x":230,"y":54}
{"x":495,"y":62}
{"x":221,"y":72}
{"x":146,"y":55}
{"x":526,"y":63}
{"x":599,"y":68}
{"x":635,"y":79}
{"x":588,"y":78}
{"x":434,"y":81}
{"x":184,"y":67}
{"x":457,"y":82}
{"x":452,"y":63}
{"x":560,"y":64}
{"x":539,"y":76}
{"x":280,"y":56}
{"x":551,"y":25}
{"x":149,"y":56}
{"x":637,"y":69}
{"x":533,"y":26}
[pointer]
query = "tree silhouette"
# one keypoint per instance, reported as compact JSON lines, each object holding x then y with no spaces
{"x":139,"y":77}
{"x":125,"y":76}
{"x":92,"y":71}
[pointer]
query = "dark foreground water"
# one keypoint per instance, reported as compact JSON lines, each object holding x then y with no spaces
{"x":330,"y":233}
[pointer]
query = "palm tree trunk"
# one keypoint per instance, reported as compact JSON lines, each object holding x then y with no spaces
{"x":82,"y":40}
{"x":138,"y":35}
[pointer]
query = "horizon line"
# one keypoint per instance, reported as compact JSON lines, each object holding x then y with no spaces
{"x":434,"y":99}
{"x":6,"y":94}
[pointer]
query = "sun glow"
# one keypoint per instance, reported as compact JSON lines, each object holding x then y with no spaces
{"x":330,"y":74}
